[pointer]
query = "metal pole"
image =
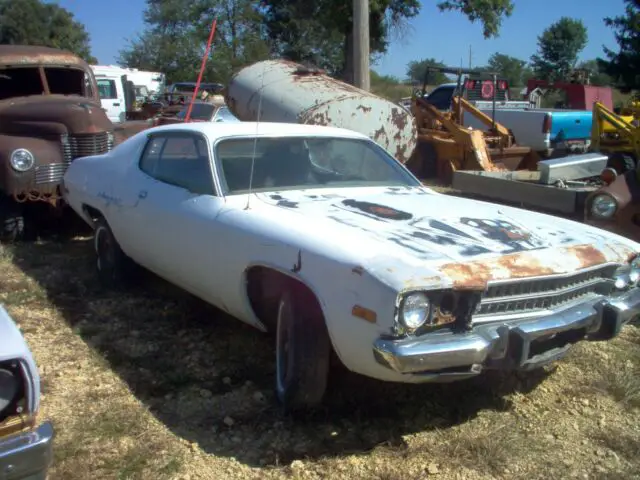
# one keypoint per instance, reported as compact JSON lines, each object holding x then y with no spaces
{"x":361,"y":74}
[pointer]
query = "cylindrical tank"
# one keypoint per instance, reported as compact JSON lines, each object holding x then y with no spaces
{"x":290,"y":92}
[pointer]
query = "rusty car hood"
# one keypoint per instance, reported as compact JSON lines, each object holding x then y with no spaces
{"x":466,"y":241}
{"x":52,"y":114}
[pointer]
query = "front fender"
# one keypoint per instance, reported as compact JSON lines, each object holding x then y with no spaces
{"x":45,"y":152}
{"x":339,"y":287}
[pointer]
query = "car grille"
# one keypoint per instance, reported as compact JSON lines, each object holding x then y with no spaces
{"x":536,"y":295}
{"x":83,"y":145}
{"x":51,"y":173}
{"x":73,"y":146}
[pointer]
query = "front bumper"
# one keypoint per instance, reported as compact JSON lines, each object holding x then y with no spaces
{"x":522,"y":344}
{"x":27,"y":455}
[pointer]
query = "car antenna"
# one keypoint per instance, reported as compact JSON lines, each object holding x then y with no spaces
{"x":255,"y":140}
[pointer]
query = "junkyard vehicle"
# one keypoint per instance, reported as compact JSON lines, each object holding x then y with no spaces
{"x":210,"y":111}
{"x":616,"y":136}
{"x":50,"y":114}
{"x":453,"y":146}
{"x":616,"y":206}
{"x":550,"y":132}
{"x":319,"y":234}
{"x":25,"y":443}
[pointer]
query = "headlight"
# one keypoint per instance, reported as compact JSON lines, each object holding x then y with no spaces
{"x":414,"y":310}
{"x":603,"y":206}
{"x":9,"y":389}
{"x":22,"y":160}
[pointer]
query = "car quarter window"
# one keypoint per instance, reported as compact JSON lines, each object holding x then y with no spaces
{"x":181,"y":160}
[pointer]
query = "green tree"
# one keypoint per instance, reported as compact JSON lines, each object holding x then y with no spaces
{"x":512,"y":69}
{"x":33,"y":22}
{"x":488,"y":12}
{"x":321,"y":32}
{"x":176,"y":34}
{"x":558,"y":49}
{"x":417,"y":69}
{"x":624,"y":65}
{"x":597,"y":75}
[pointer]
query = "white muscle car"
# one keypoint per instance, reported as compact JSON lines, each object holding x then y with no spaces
{"x":321,"y":235}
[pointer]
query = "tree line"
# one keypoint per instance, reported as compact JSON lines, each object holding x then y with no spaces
{"x":317,"y":33}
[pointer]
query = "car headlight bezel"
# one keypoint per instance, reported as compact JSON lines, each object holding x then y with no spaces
{"x":421,"y":307}
{"x":26,"y":155}
{"x":598,"y":200}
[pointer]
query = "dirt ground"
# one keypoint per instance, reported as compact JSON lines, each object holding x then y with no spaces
{"x":153,"y":384}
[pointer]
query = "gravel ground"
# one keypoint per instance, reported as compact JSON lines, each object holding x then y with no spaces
{"x":155,"y":384}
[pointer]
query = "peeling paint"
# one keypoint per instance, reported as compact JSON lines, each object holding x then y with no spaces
{"x":290,"y":92}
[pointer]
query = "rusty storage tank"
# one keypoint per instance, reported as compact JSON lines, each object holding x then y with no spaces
{"x":296,"y":94}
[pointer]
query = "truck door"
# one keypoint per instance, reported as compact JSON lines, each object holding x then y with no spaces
{"x":112,"y":97}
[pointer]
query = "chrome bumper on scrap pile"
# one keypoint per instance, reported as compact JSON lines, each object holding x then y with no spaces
{"x":520,"y":344}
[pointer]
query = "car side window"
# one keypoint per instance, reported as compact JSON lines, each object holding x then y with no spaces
{"x":181,"y":160}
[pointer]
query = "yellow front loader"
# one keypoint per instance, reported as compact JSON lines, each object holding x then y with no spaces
{"x":617,"y":136}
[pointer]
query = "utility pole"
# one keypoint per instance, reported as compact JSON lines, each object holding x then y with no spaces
{"x":361,"y":74}
{"x":470,"y":57}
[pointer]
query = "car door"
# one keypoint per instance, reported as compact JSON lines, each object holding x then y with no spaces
{"x":172,"y":224}
{"x":110,"y":98}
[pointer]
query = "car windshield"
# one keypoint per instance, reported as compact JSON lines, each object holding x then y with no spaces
{"x":296,"y":162}
{"x":225,"y":115}
{"x":200,"y":111}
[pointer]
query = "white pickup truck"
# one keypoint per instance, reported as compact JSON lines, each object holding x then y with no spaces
{"x":550,"y":132}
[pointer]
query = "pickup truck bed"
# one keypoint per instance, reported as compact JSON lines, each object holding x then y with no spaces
{"x":549,"y":131}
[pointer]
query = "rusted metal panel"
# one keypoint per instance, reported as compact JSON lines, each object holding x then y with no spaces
{"x":288,"y":92}
{"x":536,"y":263}
{"x":17,"y":55}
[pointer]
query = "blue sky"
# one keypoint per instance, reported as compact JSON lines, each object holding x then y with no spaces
{"x":444,"y":36}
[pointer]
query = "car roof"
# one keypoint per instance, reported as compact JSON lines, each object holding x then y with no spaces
{"x":224,"y":130}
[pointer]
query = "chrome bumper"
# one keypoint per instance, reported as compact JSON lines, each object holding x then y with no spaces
{"x":27,"y":455}
{"x":522,"y":344}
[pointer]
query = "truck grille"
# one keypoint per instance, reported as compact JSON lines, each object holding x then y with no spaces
{"x":530,"y":296}
{"x":73,"y":146}
{"x":83,"y":145}
{"x":51,"y":173}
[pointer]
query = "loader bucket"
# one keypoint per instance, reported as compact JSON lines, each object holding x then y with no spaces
{"x":514,"y":158}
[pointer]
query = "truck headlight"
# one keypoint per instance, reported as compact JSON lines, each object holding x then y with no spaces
{"x":603,"y":206}
{"x":22,"y":160}
{"x":415,"y":309}
{"x":9,"y":389}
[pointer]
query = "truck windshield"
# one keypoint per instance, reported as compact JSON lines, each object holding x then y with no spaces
{"x":24,"y":81}
{"x":288,"y":163}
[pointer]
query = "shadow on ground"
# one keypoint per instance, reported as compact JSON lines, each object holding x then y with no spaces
{"x":209,"y":377}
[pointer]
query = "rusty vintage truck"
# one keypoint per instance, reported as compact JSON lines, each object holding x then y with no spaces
{"x":50,"y":114}
{"x":616,"y":206}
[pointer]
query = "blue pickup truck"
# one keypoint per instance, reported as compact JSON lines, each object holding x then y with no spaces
{"x":550,"y":132}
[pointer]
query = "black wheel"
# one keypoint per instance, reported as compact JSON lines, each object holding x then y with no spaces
{"x":621,"y":163}
{"x":12,"y":221}
{"x":303,"y":351}
{"x":115,"y":269}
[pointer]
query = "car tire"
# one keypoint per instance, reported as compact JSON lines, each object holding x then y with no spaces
{"x":115,"y":269}
{"x":303,"y":351}
{"x":12,"y":221}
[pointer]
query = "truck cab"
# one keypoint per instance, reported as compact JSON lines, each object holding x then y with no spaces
{"x":50,"y":114}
